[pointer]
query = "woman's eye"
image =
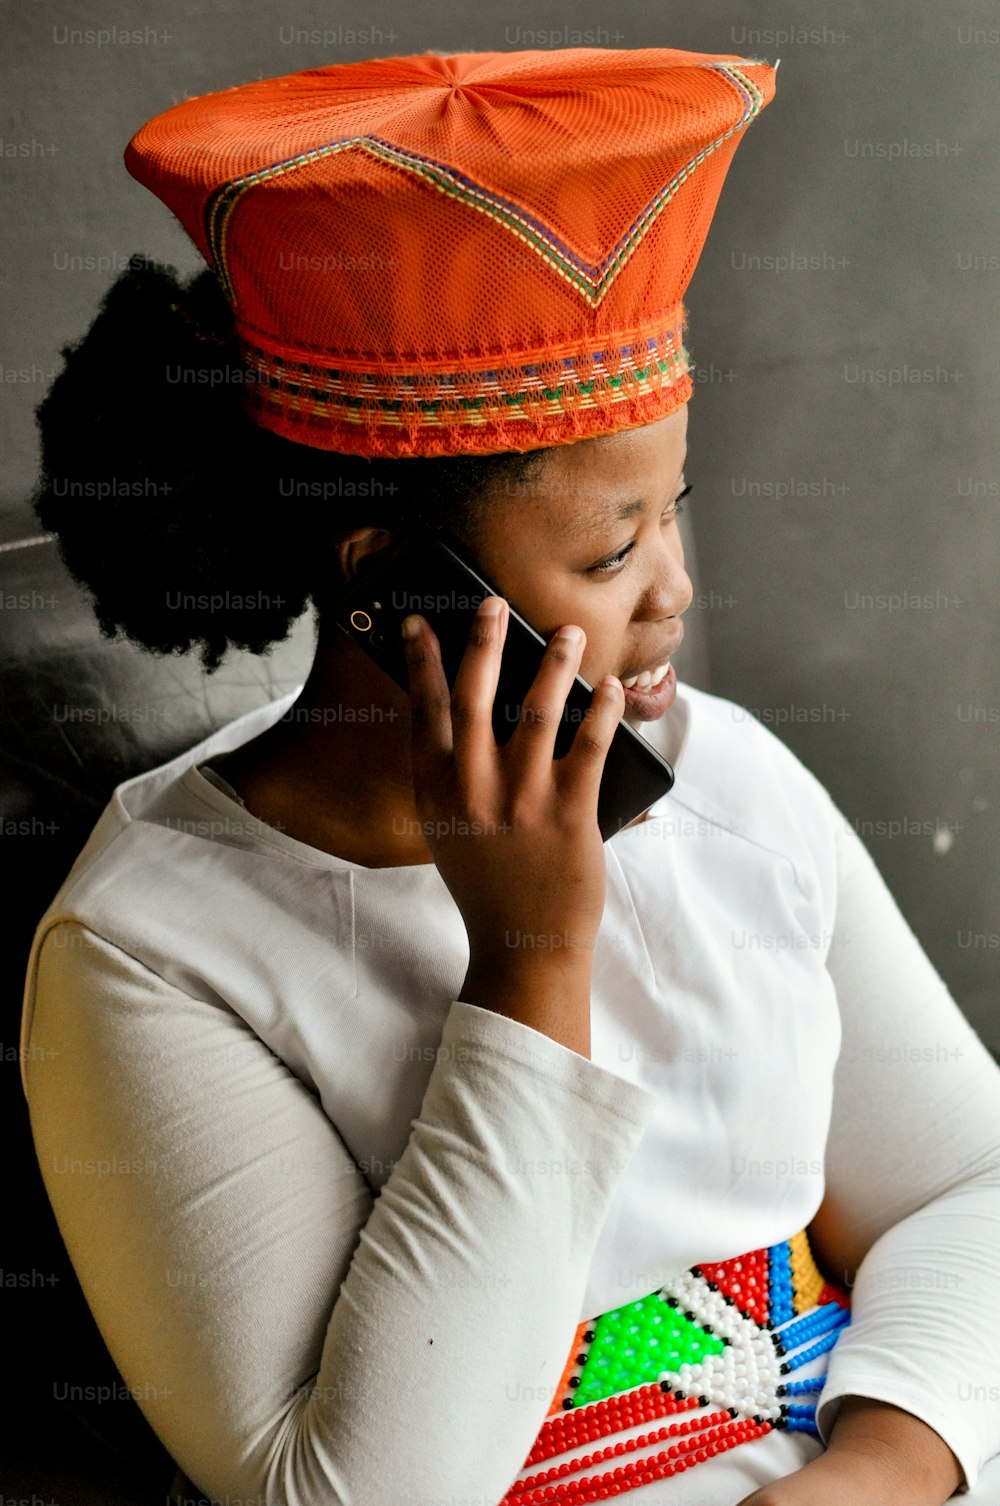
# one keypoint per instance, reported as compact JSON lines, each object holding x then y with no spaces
{"x":608,"y":566}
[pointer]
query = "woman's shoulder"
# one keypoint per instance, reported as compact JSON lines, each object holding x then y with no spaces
{"x":175,"y":877}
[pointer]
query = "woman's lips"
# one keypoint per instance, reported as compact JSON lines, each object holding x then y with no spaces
{"x":648,"y":704}
{"x":645,"y":679}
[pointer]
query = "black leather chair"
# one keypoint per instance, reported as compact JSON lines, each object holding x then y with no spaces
{"x":80,"y":714}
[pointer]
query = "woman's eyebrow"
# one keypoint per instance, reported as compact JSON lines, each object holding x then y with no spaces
{"x":611,"y":512}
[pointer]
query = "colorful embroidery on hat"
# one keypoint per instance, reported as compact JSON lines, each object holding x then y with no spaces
{"x":590,"y":280}
{"x":712,"y":1349}
{"x":528,"y":394}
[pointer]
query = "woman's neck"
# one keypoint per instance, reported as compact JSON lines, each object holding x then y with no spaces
{"x":335,"y":770}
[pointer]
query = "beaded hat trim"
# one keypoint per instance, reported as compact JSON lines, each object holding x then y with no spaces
{"x":532,"y":395}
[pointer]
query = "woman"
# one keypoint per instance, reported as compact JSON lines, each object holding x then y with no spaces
{"x":425,"y":1147}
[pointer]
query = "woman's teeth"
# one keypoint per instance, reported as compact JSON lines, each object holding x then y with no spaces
{"x":647,"y":678}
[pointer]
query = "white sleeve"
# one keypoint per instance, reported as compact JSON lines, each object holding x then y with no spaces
{"x":289,"y":1338}
{"x":913,"y":1171}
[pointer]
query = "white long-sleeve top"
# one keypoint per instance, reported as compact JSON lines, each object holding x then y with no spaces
{"x":339,"y":1227}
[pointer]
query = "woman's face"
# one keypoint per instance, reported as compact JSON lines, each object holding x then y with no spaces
{"x":591,"y":539}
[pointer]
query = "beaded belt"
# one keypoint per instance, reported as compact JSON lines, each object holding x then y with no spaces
{"x":710,"y":1348}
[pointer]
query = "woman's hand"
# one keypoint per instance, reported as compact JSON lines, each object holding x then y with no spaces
{"x":845,"y":1479}
{"x":826,"y":1483}
{"x":514,"y":833}
{"x":878,"y":1455}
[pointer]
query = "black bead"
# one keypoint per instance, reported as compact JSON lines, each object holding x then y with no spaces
{"x":780,"y":1422}
{"x":665,"y":1386}
{"x":779,"y":1347}
{"x":581,"y":1359}
{"x":567,"y":1403}
{"x":786,"y":1369}
{"x":703,"y":1401}
{"x":781,"y":1390}
{"x":574,"y":1380}
{"x":589,"y":1336}
{"x":758,"y":1420}
{"x":707,"y":1328}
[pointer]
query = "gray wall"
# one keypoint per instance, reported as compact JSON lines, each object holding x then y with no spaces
{"x":843,"y":320}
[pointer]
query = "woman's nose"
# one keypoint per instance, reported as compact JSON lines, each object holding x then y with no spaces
{"x":671,"y":591}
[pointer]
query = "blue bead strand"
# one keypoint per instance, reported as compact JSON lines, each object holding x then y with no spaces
{"x":799,"y":1387}
{"x":780,"y":1279}
{"x":830,"y":1315}
{"x":802,"y":1425}
{"x":817,"y":1349}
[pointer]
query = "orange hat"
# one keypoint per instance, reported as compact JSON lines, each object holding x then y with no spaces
{"x":480,"y":252}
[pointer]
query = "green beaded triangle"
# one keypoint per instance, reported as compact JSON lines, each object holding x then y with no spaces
{"x":635,"y":1344}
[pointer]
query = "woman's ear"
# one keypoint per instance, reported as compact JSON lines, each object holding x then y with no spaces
{"x":357,"y":550}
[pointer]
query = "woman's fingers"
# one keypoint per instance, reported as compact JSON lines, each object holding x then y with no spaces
{"x":430,"y":716}
{"x":578,"y":775}
{"x":530,"y":751}
{"x":546,"y":878}
{"x":455,"y":729}
{"x":472,"y":696}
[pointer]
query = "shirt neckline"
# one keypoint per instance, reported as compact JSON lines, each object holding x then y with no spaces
{"x":670,"y":736}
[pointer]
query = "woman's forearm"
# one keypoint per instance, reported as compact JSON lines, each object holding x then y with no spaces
{"x":288,"y":1335}
{"x":928,"y":1472}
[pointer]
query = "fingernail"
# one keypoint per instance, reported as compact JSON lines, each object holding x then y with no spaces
{"x":491,"y":606}
{"x":411,"y":626}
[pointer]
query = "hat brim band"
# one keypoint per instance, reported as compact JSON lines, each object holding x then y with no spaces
{"x":544,"y":401}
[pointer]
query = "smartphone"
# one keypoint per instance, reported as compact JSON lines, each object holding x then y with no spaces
{"x":425,"y":570}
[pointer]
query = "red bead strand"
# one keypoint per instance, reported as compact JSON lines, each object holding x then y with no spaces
{"x":635,"y":1472}
{"x":707,"y":1425}
{"x":582,"y":1425}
